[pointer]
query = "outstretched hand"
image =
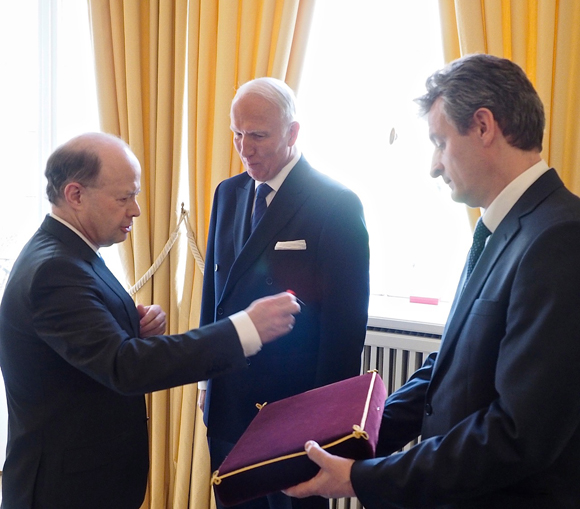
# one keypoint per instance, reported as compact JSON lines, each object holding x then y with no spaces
{"x":273,"y":316}
{"x":153,"y":320}
{"x":333,"y":479}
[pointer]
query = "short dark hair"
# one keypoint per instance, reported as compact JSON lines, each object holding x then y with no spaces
{"x":485,"y":81}
{"x":67,"y":165}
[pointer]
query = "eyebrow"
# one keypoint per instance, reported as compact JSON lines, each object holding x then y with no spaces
{"x":254,"y":131}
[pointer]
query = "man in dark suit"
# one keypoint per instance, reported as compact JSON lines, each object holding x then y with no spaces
{"x":77,"y":355}
{"x":498,"y":408}
{"x":312,"y":240}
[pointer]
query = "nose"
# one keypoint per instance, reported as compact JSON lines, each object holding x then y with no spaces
{"x":246,"y":147}
{"x":436,"y":165}
{"x":135,"y":210}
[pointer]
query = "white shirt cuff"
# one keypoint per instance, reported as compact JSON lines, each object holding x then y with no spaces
{"x":247,"y":332}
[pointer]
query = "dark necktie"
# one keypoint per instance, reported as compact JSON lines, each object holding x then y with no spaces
{"x":261,"y":205}
{"x":479,"y":236}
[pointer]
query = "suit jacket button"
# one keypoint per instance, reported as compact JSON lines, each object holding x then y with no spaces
{"x":220,"y":311}
{"x":428,"y":409}
{"x":216,"y":267}
{"x":269,"y":280}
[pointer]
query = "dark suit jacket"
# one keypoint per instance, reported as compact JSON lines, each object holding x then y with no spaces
{"x":331,"y":276}
{"x":75,"y":373}
{"x":499,"y":406}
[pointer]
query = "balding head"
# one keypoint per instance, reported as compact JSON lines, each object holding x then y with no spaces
{"x":93,"y":183}
{"x":78,"y":160}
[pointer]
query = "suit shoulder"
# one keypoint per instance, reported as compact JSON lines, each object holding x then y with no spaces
{"x":239,"y":180}
{"x":561,"y":206}
{"x":43,"y":262}
{"x":45,"y":254}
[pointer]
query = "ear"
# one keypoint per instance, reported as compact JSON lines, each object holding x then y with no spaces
{"x":293,"y":133}
{"x":73,"y":193}
{"x":485,"y":125}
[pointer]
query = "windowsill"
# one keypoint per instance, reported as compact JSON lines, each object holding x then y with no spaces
{"x":401,"y":314}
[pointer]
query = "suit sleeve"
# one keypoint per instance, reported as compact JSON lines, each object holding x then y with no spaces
{"x":403,"y":413}
{"x":76,"y":317}
{"x":531,"y":423}
{"x":344,"y":272}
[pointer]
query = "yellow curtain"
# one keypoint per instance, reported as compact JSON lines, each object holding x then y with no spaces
{"x":141,"y":47}
{"x":542,"y":37}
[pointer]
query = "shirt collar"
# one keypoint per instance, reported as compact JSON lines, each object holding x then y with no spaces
{"x":505,"y":200}
{"x":70,"y":226}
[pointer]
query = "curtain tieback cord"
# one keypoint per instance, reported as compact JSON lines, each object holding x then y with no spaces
{"x":191,"y":240}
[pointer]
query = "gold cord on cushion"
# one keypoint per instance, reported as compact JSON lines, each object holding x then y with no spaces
{"x":215,"y":478}
{"x":358,"y":432}
{"x":259,"y":407}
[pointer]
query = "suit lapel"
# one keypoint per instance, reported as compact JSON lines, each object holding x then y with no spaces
{"x":81,"y":250}
{"x":286,"y":203}
{"x":103,"y":272}
{"x":464,"y":299}
{"x":499,"y":240}
{"x":244,"y":202}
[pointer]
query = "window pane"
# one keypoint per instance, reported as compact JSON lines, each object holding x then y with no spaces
{"x":49,"y":98}
{"x":75,"y":88}
{"x":366,"y":62}
{"x":19,"y":111}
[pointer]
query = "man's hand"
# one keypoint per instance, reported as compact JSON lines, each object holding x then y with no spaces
{"x":273,"y":316}
{"x":152,"y":321}
{"x":333,"y":479}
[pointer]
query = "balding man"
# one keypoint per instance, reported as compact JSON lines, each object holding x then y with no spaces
{"x":77,"y":355}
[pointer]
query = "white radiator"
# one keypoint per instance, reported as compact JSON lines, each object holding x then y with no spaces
{"x":396,"y":355}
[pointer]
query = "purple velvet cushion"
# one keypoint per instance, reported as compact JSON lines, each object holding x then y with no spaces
{"x":343,"y":417}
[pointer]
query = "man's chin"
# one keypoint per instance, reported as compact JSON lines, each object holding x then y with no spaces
{"x":256,"y":173}
{"x":117,"y":240}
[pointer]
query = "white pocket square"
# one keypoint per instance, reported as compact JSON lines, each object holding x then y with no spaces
{"x":290,"y":245}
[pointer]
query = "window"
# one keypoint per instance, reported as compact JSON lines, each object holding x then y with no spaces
{"x":359,"y":124}
{"x":47,"y":96}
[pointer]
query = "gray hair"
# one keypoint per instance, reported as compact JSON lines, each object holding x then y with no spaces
{"x":485,"y":81}
{"x":273,"y":90}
